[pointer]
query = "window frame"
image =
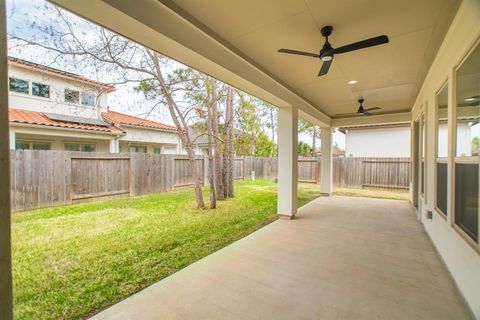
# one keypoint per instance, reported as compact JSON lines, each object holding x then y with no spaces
{"x":136,"y":146}
{"x":16,"y":92}
{"x":82,"y":93}
{"x":461,"y":159}
{"x":80,"y":144}
{"x":443,"y":160}
{"x":422,"y":155}
{"x":72,"y":90}
{"x":43,"y":84}
{"x":30,"y":143}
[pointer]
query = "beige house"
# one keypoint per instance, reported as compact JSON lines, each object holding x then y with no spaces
{"x":417,"y":260}
{"x":51,"y":109}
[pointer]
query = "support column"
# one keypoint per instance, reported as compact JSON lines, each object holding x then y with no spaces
{"x":326,"y":137}
{"x":287,"y":162}
{"x":6,"y":306}
{"x":12,"y":139}
{"x":114,"y":146}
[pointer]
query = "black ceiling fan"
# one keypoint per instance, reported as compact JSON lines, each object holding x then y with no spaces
{"x":327,"y":52}
{"x":361,"y":110}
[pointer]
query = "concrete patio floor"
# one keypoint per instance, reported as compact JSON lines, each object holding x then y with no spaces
{"x":342,"y":258}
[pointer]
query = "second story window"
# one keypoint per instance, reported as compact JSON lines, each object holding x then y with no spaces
{"x":40,"y":90}
{"x":18,"y":85}
{"x":88,"y":99}
{"x":72,"y":96}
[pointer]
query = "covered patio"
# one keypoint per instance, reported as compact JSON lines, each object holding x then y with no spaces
{"x":343,"y":258}
{"x":338,"y":257}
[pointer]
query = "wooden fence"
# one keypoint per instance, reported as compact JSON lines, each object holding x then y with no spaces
{"x":50,"y":178}
{"x":351,"y":172}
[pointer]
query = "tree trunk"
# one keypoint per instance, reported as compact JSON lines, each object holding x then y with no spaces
{"x":228,"y":157}
{"x":211,"y":165}
{"x":217,"y":154}
{"x":181,"y":126}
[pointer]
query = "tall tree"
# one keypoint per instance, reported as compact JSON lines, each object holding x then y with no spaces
{"x":228,"y":149}
{"x":312,"y":130}
{"x":127,"y":60}
{"x":218,"y":166}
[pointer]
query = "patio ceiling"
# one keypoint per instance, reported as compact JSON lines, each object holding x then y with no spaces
{"x":237,"y":42}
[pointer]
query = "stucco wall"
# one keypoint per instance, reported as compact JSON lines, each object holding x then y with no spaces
{"x":462,"y":260}
{"x":58,"y":137}
{"x":56,"y":103}
{"x":378,"y":142}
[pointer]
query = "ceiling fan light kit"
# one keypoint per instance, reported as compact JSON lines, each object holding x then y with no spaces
{"x":327,"y":52}
{"x":362,"y":111}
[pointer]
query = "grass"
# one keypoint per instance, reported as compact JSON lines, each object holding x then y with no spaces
{"x":373,"y":193}
{"x":73,"y":261}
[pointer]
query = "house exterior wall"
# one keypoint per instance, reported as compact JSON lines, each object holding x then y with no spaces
{"x":58,"y":137}
{"x":461,"y":258}
{"x":378,"y":142}
{"x":169,"y":142}
{"x":56,"y":103}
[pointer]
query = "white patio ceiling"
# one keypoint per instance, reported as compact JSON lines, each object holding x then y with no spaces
{"x":237,"y":42}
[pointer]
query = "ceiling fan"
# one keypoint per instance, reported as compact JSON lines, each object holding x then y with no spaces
{"x":361,"y":110}
{"x":327,"y":52}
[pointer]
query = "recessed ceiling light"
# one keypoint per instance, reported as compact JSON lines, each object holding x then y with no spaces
{"x":470,"y":99}
{"x":352,"y":81}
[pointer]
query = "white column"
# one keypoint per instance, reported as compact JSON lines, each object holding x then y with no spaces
{"x":12,"y":139}
{"x":6,"y":305}
{"x":326,"y":137}
{"x":114,"y":145}
{"x":287,"y":162}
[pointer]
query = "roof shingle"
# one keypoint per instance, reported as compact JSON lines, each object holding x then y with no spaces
{"x":33,"y":117}
{"x":118,"y":118}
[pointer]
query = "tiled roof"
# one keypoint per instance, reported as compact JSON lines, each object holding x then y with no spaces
{"x":38,"y":118}
{"x":118,"y":118}
{"x":37,"y":66}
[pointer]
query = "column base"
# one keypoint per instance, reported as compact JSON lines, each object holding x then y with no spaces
{"x":285,"y":216}
{"x":325,"y":194}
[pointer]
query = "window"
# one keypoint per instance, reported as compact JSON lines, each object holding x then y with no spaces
{"x":467,"y":159}
{"x":157,"y":150}
{"x":140,"y":149}
{"x":31,"y":145}
{"x":85,"y":147}
{"x":22,"y":145}
{"x":40,"y":146}
{"x":18,"y":85}
{"x":40,"y":90}
{"x":442,"y":150}
{"x":422,"y":153}
{"x":88,"y":99}
{"x":72,"y":96}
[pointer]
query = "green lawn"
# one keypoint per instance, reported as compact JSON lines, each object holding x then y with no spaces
{"x":373,"y":193}
{"x":70,"y":262}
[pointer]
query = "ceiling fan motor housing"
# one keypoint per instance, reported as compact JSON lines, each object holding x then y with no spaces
{"x":326,"y":53}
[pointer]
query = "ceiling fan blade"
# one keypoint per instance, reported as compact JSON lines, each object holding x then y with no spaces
{"x":362,"y":44}
{"x":325,"y":67}
{"x":302,"y":53}
{"x":371,"y":109}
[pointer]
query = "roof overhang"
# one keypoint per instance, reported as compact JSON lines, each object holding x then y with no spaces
{"x":236,"y":42}
{"x":155,"y":25}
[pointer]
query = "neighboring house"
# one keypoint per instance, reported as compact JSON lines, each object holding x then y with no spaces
{"x":377,"y":141}
{"x":51,"y":109}
{"x":394,"y":140}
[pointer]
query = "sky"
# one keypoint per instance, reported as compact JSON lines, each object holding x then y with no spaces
{"x":22,"y":18}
